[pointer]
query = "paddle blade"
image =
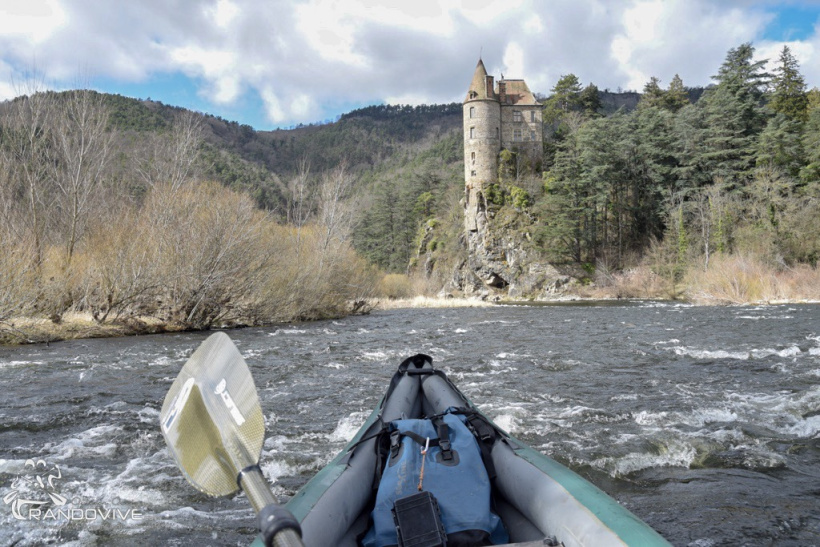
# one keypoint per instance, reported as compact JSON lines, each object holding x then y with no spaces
{"x":211,"y":418}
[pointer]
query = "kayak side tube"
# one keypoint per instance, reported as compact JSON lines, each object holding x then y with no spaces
{"x":537,"y":496}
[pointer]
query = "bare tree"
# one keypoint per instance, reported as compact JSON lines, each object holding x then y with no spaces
{"x":171,"y":159}
{"x":25,"y":156}
{"x":335,"y":216}
{"x":83,"y":143}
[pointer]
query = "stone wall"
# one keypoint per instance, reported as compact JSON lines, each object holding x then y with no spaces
{"x":529,"y":140}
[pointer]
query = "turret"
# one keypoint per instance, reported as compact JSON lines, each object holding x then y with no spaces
{"x":482,"y":139}
{"x":482,"y":129}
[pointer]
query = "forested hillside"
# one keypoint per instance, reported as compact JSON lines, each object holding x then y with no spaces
{"x":128,"y":209}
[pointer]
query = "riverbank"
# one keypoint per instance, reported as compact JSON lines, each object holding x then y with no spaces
{"x":73,"y":326}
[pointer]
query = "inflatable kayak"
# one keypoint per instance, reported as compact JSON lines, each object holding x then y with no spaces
{"x":394,"y":481}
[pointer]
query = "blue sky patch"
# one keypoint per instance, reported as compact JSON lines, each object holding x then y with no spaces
{"x":792,"y":22}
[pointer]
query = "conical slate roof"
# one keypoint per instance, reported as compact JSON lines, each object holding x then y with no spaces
{"x":479,"y":84}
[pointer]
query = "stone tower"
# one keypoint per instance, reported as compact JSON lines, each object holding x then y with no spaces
{"x":497,"y":115}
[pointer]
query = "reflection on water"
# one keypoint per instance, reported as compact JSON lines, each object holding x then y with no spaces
{"x":705,"y":422}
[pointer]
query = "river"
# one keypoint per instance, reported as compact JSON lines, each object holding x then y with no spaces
{"x":703,"y":421}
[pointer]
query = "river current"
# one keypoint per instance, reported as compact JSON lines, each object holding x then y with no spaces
{"x":703,"y":421}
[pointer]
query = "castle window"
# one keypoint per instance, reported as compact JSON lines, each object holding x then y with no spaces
{"x":472,"y":157}
{"x":473,"y":94}
{"x":472,"y":132}
{"x":472,"y":112}
{"x":532,"y":135}
{"x":532,"y":116}
{"x":517,"y":116}
{"x":517,"y":135}
{"x":496,"y":132}
{"x":472,"y":173}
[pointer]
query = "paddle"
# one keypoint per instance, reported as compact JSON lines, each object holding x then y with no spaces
{"x":213,"y":424}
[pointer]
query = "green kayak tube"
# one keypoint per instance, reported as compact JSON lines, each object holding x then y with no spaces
{"x":539,"y":501}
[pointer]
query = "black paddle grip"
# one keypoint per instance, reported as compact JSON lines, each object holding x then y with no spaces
{"x":279,"y":527}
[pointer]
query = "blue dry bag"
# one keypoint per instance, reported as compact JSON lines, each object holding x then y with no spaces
{"x":453,"y":472}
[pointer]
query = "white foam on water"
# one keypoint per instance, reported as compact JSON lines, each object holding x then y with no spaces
{"x":286,"y":332}
{"x":274,"y":466}
{"x":252,"y":353}
{"x":808,"y":428}
{"x":704,"y":416}
{"x":148,"y":415}
{"x":625,"y":397}
{"x":512,"y":356}
{"x":161,"y":361}
{"x":762,"y":353}
{"x":91,"y":442}
{"x":674,"y":454}
{"x":507,"y":422}
{"x":374,"y":355}
{"x":711,"y":354}
{"x":348,"y":426}
{"x":791,"y":351}
{"x":9,"y":364}
{"x":647,"y":418}
{"x":337,"y":366}
{"x":461,"y":331}
{"x":276,"y":443}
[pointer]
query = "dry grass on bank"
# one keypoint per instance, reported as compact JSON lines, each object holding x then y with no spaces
{"x":428,"y":302}
{"x":729,"y":279}
{"x":739,"y":279}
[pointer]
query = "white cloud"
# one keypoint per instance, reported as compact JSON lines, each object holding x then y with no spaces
{"x":215,"y":66}
{"x":223,"y":13}
{"x":305,"y":58}
{"x":662,"y":38}
{"x":514,"y":60}
{"x":32,"y":20}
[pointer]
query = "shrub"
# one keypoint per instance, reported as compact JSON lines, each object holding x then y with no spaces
{"x":395,"y":286}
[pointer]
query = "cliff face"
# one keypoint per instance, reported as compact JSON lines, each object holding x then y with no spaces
{"x":502,"y":261}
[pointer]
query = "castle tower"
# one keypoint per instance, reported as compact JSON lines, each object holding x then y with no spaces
{"x":504,"y":115}
{"x":482,"y":140}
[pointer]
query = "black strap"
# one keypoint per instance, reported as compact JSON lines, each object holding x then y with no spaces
{"x":443,"y":438}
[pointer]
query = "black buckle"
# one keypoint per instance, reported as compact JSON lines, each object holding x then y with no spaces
{"x":395,"y":443}
{"x":446,"y":452}
{"x":481,"y":429}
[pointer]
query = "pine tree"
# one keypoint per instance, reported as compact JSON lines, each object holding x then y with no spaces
{"x":565,"y":98}
{"x":789,"y":88}
{"x":653,"y":95}
{"x":590,"y":101}
{"x":733,"y":117}
{"x":676,"y":96}
{"x":780,"y":145}
{"x":810,"y":174}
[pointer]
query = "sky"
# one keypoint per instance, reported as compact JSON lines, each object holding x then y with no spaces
{"x":278,"y":63}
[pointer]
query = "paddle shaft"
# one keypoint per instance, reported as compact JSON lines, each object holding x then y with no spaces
{"x":279,"y":528}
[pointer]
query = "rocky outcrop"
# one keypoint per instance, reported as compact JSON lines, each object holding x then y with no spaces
{"x":502,"y":262}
